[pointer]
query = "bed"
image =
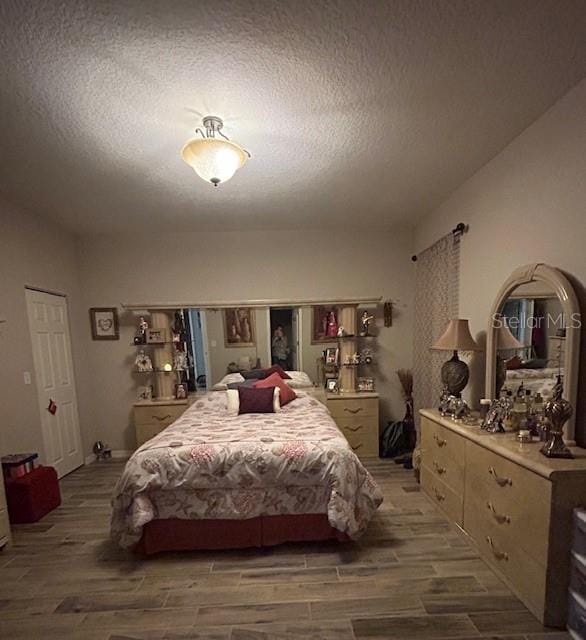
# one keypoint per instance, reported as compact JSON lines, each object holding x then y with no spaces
{"x":535,"y":380}
{"x":215,"y":480}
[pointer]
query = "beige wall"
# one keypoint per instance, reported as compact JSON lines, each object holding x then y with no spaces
{"x":192,"y":267}
{"x":39,"y":254}
{"x":527,"y":205}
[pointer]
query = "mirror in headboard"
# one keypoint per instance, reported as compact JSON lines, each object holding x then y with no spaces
{"x":293,"y":335}
{"x":533,"y":335}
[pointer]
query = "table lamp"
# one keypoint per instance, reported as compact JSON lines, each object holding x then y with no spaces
{"x":455,"y":372}
{"x":504,"y":341}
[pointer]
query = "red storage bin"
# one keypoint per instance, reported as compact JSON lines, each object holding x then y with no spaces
{"x":31,"y":497}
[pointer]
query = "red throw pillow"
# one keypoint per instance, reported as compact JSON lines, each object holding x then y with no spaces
{"x":277,"y":369}
{"x":256,"y":400}
{"x":274,"y":380}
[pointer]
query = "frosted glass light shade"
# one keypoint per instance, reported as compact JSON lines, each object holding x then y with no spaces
{"x":213,"y":160}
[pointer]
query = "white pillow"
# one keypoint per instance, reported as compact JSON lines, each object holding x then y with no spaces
{"x":299,"y":380}
{"x":229,"y":378}
{"x":234,"y":401}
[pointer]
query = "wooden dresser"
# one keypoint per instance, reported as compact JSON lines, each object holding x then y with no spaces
{"x":515,"y":503}
{"x":152,"y":416}
{"x":356,"y":414}
{"x":5,"y":537}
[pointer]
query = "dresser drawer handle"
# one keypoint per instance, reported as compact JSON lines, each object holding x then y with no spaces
{"x":439,"y":469}
{"x":499,"y":555}
{"x":161,"y":419}
{"x":355,"y":429}
{"x":501,"y":481}
{"x":353,"y":411}
{"x":440,"y":441}
{"x":355,"y":448}
{"x":501,"y":519}
{"x":440,"y":497}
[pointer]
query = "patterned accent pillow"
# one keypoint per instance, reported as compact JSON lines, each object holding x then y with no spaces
{"x":256,"y":400}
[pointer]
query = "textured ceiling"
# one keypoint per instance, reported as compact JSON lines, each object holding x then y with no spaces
{"x":355,"y":112}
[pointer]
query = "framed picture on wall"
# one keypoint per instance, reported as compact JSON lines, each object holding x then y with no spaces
{"x":104,"y":323}
{"x":239,"y":328}
{"x":324,"y":324}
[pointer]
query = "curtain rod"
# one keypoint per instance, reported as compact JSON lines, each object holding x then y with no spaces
{"x":459,"y":230}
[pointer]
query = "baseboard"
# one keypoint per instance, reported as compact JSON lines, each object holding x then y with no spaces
{"x":117,"y":454}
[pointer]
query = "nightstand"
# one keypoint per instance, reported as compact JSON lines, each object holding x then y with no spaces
{"x":356,"y":415}
{"x":152,"y":416}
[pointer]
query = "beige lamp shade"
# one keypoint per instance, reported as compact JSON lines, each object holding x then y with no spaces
{"x":456,"y":337}
{"x":213,"y":160}
{"x":504,"y":338}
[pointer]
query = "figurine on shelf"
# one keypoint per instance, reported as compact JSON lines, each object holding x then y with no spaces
{"x":180,"y":361}
{"x":341,"y":332}
{"x":365,"y":321}
{"x":140,"y":337}
{"x":331,"y":325}
{"x":143,"y":362}
{"x":366,"y":356}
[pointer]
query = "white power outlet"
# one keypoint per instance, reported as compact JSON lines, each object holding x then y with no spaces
{"x":27,"y":377}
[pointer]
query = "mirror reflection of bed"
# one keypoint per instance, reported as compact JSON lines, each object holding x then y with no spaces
{"x":218,"y":349}
{"x":534,"y":316}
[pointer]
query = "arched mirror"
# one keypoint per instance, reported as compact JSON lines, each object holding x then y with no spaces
{"x":533,"y":335}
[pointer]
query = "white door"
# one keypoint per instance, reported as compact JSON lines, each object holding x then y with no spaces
{"x":51,"y":342}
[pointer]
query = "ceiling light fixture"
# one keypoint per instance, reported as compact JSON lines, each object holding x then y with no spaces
{"x":212,"y":159}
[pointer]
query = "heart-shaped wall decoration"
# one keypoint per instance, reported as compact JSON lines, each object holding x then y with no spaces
{"x":105,"y":324}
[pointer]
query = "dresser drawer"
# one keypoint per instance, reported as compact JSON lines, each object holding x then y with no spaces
{"x":361,"y":433}
{"x":162,"y":415}
{"x":441,"y":444}
{"x":501,"y":550}
{"x":517,"y":510}
{"x":448,"y":500}
{"x":445,"y":467}
{"x":348,"y":407}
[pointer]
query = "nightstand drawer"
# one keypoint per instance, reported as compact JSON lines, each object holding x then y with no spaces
{"x":361,"y":433}
{"x":353,"y":407}
{"x":162,"y":416}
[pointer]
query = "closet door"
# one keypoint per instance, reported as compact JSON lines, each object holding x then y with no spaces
{"x":51,"y":343}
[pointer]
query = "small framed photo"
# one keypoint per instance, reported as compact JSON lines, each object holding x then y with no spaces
{"x":104,"y":323}
{"x":331,"y":355}
{"x":156,"y":336}
{"x":365,"y":384}
{"x":332,"y":385}
{"x":181,"y":391}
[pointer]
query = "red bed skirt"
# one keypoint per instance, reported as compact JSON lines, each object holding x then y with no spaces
{"x":265,"y":531}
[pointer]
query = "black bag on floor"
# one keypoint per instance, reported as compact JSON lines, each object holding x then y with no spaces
{"x":396,"y":439}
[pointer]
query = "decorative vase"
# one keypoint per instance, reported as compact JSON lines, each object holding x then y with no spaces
{"x":455,"y":375}
{"x":558,"y":411}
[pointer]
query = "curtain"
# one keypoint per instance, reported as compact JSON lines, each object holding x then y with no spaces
{"x":436,"y":302}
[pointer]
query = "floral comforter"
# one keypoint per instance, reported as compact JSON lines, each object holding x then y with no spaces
{"x":212,"y":465}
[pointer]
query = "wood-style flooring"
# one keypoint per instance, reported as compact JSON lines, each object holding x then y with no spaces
{"x":412,"y":576}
